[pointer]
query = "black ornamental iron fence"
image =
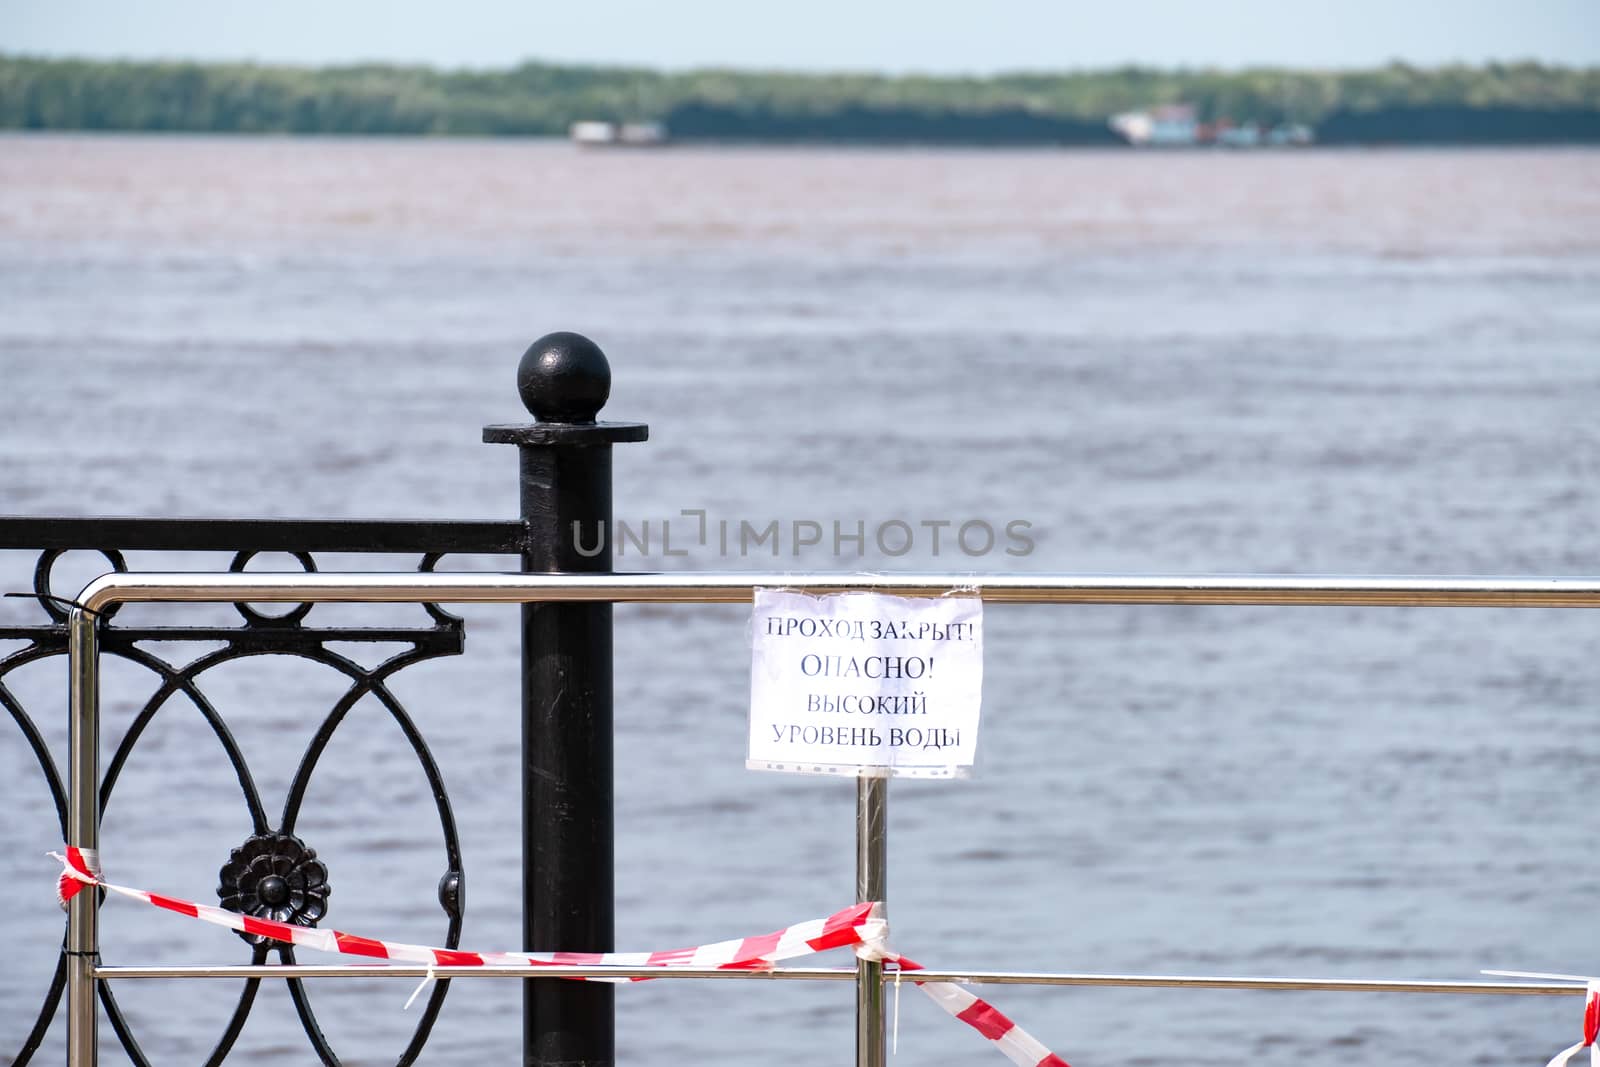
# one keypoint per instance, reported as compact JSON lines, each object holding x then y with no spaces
{"x":565,"y":471}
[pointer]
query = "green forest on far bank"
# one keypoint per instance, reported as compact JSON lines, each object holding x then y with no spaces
{"x":1397,"y":103}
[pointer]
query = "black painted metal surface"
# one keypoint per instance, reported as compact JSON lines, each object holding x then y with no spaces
{"x":261,"y":535}
{"x":179,"y":676}
{"x":567,"y":795}
{"x":565,"y":462}
{"x":274,"y":876}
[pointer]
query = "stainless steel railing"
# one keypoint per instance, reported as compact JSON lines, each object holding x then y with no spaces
{"x":872,"y":792}
{"x":847,"y":974}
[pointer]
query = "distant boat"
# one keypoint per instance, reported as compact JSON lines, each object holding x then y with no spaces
{"x":1171,"y":124}
{"x":1179,"y":126}
{"x":593,"y":133}
{"x":1291,"y":133}
{"x":1244,"y":135}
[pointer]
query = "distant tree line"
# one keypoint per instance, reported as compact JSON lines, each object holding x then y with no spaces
{"x":1495,"y":102}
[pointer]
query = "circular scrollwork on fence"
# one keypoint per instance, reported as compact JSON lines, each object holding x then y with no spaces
{"x":261,"y":618}
{"x":51,"y":600}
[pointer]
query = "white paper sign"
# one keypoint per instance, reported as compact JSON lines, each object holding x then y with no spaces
{"x":861,"y":680}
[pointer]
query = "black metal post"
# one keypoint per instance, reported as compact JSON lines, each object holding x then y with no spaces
{"x":567,"y":847}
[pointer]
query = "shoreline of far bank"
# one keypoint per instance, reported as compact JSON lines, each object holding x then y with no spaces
{"x":1492,"y":104}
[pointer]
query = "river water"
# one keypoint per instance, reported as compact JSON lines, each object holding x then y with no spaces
{"x":1346,"y":362}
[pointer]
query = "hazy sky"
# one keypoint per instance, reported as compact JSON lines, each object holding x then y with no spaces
{"x":898,"y":35}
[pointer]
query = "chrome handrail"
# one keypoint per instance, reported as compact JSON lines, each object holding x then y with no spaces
{"x":488,"y":588}
{"x":846,"y":974}
{"x":82,"y":943}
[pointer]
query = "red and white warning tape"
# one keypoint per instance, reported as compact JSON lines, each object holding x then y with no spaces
{"x":861,"y":926}
{"x":1015,"y":1043}
{"x":1591,"y":1014}
{"x":1591,"y":1030}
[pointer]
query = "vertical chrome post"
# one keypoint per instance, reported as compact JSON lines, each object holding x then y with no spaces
{"x":83,"y":831}
{"x":872,"y":868}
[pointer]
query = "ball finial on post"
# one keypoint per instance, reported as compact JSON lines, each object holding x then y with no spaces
{"x":568,"y":875}
{"x":564,"y":378}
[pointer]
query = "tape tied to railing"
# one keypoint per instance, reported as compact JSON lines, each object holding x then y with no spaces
{"x":1017,"y":1045}
{"x":1591,"y":1030}
{"x":80,"y":869}
{"x":861,"y":927}
{"x":1591,"y":1013}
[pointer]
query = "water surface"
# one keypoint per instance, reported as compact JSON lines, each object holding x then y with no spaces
{"x":1356,"y":362}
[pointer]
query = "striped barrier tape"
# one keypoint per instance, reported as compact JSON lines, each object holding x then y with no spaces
{"x":1591,"y":1030}
{"x":1591,"y":1013}
{"x":861,"y":926}
{"x":1015,"y":1043}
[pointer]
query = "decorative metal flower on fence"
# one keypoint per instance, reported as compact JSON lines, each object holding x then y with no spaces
{"x":275,"y":876}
